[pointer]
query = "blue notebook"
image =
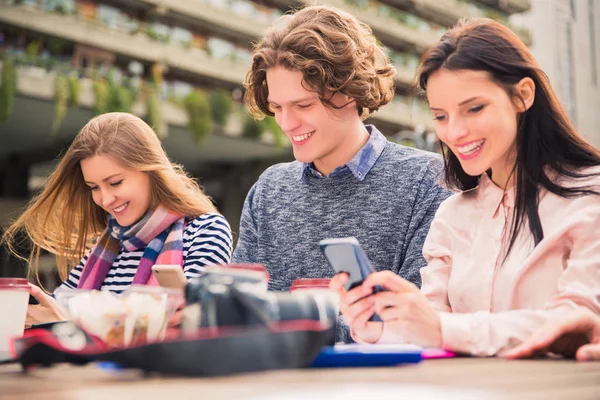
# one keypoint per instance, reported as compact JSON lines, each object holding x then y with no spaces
{"x":367,"y":355}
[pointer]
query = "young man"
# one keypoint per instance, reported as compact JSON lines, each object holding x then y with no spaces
{"x":320,"y":72}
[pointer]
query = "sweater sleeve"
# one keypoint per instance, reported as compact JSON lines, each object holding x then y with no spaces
{"x":246,"y":250}
{"x":73,"y":279}
{"x":210,"y":244}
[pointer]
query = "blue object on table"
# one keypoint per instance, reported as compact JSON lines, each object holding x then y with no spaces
{"x":366,"y":356}
{"x":109,"y":365}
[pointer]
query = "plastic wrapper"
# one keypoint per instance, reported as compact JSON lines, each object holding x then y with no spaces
{"x":137,"y":316}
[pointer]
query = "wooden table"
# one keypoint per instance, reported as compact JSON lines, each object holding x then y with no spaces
{"x":461,"y":378}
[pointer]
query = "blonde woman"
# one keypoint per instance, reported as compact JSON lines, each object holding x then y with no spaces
{"x":115,"y":188}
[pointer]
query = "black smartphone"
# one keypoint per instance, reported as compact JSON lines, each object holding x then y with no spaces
{"x":346,"y":255}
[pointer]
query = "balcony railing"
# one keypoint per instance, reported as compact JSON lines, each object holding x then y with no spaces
{"x":388,"y":30}
{"x":508,"y":6}
{"x":140,"y":47}
{"x":243,"y":27}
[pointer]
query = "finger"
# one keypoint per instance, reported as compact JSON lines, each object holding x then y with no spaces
{"x":362,"y":319}
{"x":553,"y":330}
{"x":388,"y":299}
{"x":523,"y":350}
{"x":358,"y":308}
{"x":588,"y":352}
{"x":388,"y":280}
{"x":389,"y":314}
{"x":44,"y":299}
{"x":338,"y":281}
{"x":175,"y":320}
{"x":347,"y":299}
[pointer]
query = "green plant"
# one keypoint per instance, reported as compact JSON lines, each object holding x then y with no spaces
{"x":154,"y":116}
{"x":74,"y":89}
{"x":61,"y":95}
{"x":151,"y":33}
{"x":220,"y":106}
{"x":61,"y":9}
{"x":101,"y":94}
{"x":55,"y":45}
{"x":120,"y":98}
{"x":197,"y":106}
{"x":252,"y":128}
{"x":32,"y":52}
{"x":8,"y":88}
{"x":271,"y":125}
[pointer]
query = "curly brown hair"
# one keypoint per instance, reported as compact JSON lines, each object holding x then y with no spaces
{"x":335,"y":53}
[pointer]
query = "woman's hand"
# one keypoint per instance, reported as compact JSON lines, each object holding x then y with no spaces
{"x":576,"y":334}
{"x":47,"y":311}
{"x":174,"y":323}
{"x":356,"y":308}
{"x":404,"y":309}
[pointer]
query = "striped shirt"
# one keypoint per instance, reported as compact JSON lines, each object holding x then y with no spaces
{"x":206,"y":241}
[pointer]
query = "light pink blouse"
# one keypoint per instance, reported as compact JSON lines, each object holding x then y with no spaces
{"x":488,"y":304}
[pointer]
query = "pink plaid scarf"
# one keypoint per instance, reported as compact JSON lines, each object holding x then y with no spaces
{"x":160,"y":232}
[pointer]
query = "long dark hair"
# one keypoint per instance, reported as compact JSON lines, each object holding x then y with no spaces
{"x":546,"y":143}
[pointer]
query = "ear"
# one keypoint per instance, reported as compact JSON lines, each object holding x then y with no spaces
{"x":525,"y":89}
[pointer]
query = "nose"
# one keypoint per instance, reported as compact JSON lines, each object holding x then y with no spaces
{"x":107,"y":199}
{"x":287,"y":120}
{"x":457,"y":130}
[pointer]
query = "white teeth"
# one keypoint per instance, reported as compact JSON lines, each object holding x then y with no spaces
{"x":470,"y":148}
{"x":119,"y":209}
{"x":302,"y":137}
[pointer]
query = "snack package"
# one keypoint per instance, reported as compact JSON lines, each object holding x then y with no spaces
{"x":137,"y":316}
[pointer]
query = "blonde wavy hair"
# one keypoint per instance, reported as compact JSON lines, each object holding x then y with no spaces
{"x":64,"y":220}
{"x":335,"y":53}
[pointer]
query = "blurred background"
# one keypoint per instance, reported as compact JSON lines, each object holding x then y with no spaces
{"x":180,"y":64}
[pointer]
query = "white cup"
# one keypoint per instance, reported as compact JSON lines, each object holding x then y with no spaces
{"x":14,"y":298}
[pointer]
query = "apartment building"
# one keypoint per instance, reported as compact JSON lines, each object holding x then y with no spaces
{"x":566,"y":35}
{"x":180,"y":65}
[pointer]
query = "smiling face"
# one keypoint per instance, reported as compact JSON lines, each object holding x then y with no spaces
{"x":321,"y":135}
{"x":476,"y":119}
{"x":122,"y":192}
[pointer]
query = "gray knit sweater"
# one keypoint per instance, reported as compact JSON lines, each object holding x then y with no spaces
{"x":387,"y":204}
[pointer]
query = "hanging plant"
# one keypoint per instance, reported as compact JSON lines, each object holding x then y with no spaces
{"x":120,"y":98}
{"x":8,"y":88}
{"x":55,"y":45}
{"x":252,"y":128}
{"x":154,"y":116}
{"x":271,"y":125}
{"x":220,"y":106}
{"x":61,"y":96}
{"x":74,"y":89}
{"x":32,"y":52}
{"x":198,"y":109}
{"x":101,"y":94}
